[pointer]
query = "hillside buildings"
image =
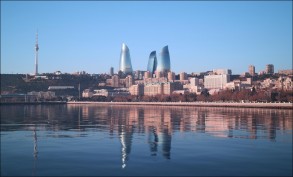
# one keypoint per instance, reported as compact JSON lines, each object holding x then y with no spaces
{"x":286,"y":72}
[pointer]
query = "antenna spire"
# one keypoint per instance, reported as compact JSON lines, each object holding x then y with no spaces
{"x":37,"y":51}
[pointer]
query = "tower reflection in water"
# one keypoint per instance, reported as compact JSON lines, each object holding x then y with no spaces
{"x":35,"y":154}
{"x":155,"y":124}
{"x":158,"y":124}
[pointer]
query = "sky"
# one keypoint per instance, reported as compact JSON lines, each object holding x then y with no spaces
{"x":201,"y":35}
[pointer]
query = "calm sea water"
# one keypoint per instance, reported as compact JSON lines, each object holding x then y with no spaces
{"x":87,"y":140}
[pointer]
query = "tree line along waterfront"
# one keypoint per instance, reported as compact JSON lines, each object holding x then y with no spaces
{"x":14,"y":88}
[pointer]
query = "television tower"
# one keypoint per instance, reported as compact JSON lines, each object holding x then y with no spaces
{"x":37,"y":51}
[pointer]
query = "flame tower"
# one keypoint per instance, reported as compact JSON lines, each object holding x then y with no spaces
{"x":152,"y":64}
{"x":37,"y":55}
{"x":163,"y":63}
{"x":125,"y":61}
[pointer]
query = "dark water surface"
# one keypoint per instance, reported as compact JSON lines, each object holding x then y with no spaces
{"x":93,"y":140}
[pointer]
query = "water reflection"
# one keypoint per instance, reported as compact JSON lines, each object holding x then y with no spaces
{"x":156,"y":123}
{"x":35,"y":154}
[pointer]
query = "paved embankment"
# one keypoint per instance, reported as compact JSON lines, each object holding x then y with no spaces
{"x":199,"y":104}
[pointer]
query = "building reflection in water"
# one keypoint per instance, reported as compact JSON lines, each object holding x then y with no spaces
{"x":156,"y":123}
{"x":153,"y":140}
{"x":125,"y":136}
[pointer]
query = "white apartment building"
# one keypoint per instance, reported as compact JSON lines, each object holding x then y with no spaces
{"x":216,"y":81}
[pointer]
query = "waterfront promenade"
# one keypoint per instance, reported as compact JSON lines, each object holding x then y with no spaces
{"x":196,"y":104}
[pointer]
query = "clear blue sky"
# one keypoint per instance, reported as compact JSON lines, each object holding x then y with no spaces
{"x":76,"y":36}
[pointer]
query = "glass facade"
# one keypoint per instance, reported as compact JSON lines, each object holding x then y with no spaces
{"x":163,"y":64}
{"x":152,"y":65}
{"x":125,"y":61}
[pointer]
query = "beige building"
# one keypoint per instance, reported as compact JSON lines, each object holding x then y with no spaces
{"x":251,"y":70}
{"x":171,"y":76}
{"x":168,"y":88}
{"x":183,"y":76}
{"x":147,"y":75}
{"x":115,"y":81}
{"x":194,"y":81}
{"x":129,"y":81}
{"x":159,"y":74}
{"x":137,"y":89}
{"x":165,"y":88}
{"x":153,"y":89}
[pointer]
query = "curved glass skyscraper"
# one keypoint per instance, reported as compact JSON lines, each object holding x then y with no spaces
{"x":163,"y":64}
{"x":152,"y":65}
{"x":125,"y":61}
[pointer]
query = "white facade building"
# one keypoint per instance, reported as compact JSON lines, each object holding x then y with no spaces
{"x":216,"y":81}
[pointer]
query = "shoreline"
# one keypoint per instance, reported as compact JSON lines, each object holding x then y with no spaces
{"x":196,"y":104}
{"x":190,"y":104}
{"x":33,"y":103}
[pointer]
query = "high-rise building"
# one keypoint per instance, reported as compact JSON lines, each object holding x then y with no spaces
{"x":129,"y":81}
{"x":269,"y":69}
{"x":171,"y":76}
{"x":194,"y":81}
{"x":125,"y":61}
{"x":115,"y":81}
{"x":251,"y":70}
{"x":183,"y":76}
{"x":111,"y":71}
{"x":147,"y":75}
{"x":163,"y":62}
{"x":159,"y":74}
{"x":152,"y":64}
{"x":37,"y":55}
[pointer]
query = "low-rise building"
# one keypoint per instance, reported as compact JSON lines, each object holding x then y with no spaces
{"x":112,"y":92}
{"x":42,"y":95}
{"x":87,"y":93}
{"x":60,"y":87}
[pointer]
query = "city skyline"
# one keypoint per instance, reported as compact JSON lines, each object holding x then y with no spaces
{"x":201,"y":35}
